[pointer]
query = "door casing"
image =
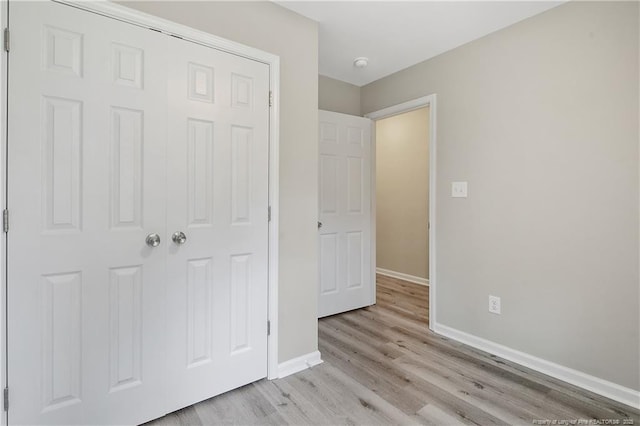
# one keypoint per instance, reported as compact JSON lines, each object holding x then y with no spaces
{"x":141,"y":19}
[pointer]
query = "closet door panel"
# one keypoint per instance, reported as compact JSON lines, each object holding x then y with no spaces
{"x":87,"y":141}
{"x":218,"y":198}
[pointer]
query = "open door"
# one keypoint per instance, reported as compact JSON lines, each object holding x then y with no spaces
{"x":346,"y":278}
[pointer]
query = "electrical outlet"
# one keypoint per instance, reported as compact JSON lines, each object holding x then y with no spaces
{"x":459,"y":189}
{"x":494,"y":304}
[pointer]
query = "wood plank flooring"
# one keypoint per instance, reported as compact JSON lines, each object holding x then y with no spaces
{"x":382,"y":366}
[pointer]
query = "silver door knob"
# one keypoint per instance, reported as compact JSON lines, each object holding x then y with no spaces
{"x":319,"y":225}
{"x":179,"y":238}
{"x":153,"y":240}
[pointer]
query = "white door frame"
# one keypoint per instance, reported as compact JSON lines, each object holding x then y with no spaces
{"x":4,"y":13}
{"x":422,"y":102}
{"x":134,"y":17}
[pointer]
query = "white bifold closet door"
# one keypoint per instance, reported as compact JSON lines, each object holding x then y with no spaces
{"x":346,"y":280}
{"x":117,"y":132}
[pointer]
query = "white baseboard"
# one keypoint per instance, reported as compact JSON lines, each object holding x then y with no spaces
{"x":298,"y":364}
{"x":402,"y":276}
{"x":594,"y":384}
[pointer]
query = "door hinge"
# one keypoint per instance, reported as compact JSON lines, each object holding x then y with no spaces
{"x":6,"y":399}
{"x":268,"y":328}
{"x":5,"y":220}
{"x":270,"y":98}
{"x":269,"y":214}
{"x":6,"y":39}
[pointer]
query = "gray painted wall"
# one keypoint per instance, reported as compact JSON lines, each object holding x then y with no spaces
{"x":541,"y":119}
{"x":267,"y":26}
{"x":338,"y":96}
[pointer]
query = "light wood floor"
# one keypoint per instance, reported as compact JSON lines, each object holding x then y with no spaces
{"x":383,"y":367}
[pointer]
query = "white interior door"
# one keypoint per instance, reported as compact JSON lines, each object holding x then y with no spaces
{"x":346,"y":280}
{"x":104,"y":150}
{"x":86,"y":175}
{"x":218,"y":198}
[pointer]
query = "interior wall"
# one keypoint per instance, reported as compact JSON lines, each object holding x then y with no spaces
{"x":338,"y":96}
{"x":402,"y":193}
{"x":274,"y":29}
{"x":541,"y":119}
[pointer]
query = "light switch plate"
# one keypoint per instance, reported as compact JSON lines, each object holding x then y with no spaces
{"x":459,"y":189}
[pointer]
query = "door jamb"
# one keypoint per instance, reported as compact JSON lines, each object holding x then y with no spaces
{"x":4,"y":64}
{"x":411,"y":105}
{"x":134,"y":17}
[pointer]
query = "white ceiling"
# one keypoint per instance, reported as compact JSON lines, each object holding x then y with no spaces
{"x":397,"y":34}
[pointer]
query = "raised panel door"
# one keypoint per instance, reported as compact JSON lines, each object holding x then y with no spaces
{"x":111,"y":141}
{"x":217,"y":161}
{"x":344,"y":211}
{"x":87,"y":98}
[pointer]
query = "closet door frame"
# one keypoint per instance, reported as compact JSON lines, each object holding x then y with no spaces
{"x":144,"y":20}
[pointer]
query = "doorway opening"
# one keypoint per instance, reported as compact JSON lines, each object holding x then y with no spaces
{"x":404,"y":212}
